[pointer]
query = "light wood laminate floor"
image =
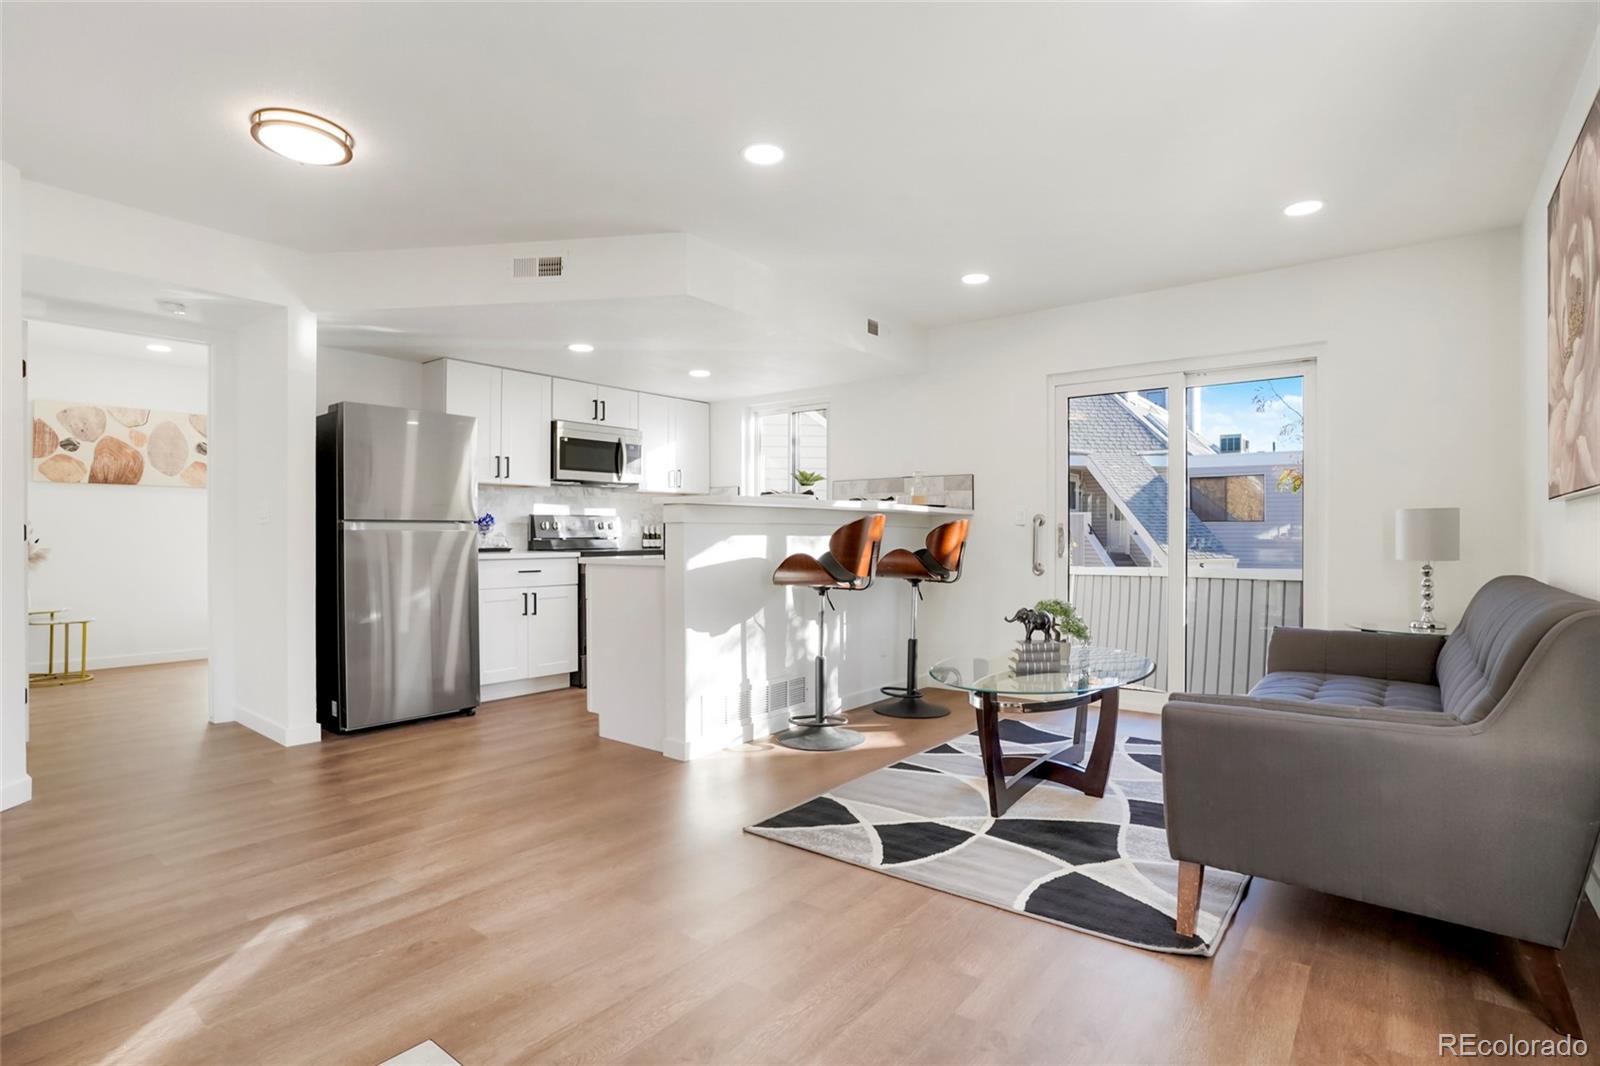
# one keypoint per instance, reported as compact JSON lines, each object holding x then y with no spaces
{"x":519,"y":891}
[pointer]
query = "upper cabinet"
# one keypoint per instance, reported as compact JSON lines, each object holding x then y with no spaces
{"x":513,"y":413}
{"x":579,"y":401}
{"x":677,"y":446}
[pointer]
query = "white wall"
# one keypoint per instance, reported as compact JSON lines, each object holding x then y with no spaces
{"x":362,"y":378}
{"x":1563,"y":535}
{"x":133,"y":557}
{"x":1416,"y":378}
{"x":15,"y":784}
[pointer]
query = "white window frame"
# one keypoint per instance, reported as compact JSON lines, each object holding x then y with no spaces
{"x":750,"y":474}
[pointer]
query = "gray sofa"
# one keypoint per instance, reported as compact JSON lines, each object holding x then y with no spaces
{"x":1454,"y":777}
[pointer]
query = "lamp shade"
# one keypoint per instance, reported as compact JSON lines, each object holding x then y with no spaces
{"x":1427,"y":534}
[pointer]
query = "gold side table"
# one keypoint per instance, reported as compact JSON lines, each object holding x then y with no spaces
{"x":50,"y":618}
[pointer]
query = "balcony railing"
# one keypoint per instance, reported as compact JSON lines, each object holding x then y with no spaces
{"x":1230,"y":617}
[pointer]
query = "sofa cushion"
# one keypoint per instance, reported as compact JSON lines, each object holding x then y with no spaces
{"x":1498,"y":631}
{"x":1348,"y":690}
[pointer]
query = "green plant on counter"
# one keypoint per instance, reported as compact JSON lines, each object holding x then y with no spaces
{"x":1067,"y":618}
{"x":807,"y":478}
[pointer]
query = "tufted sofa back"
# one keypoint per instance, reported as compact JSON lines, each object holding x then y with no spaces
{"x":1499,"y":630}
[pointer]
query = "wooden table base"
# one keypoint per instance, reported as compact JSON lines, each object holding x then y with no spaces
{"x":1088,"y":778}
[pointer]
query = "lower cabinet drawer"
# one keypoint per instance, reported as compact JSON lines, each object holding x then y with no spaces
{"x":526,"y":573}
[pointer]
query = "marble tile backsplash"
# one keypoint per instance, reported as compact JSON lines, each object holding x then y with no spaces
{"x":511,"y":507}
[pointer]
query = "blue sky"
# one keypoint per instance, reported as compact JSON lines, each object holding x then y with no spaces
{"x":1232,"y":409}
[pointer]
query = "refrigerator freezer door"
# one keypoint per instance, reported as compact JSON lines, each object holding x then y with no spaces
{"x":401,"y":465}
{"x":410,"y":620}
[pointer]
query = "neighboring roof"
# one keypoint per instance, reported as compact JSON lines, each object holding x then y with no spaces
{"x":1114,"y":433}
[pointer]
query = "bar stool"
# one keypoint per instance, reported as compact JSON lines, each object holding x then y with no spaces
{"x":939,"y":562}
{"x":848,"y":565}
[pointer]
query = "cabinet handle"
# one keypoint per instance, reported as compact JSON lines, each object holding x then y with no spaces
{"x":530,"y":571}
{"x":497,"y":467}
{"x":508,"y":466}
{"x":524,"y":605}
{"x":535,"y":596}
{"x":602,"y":410}
{"x":594,"y":405}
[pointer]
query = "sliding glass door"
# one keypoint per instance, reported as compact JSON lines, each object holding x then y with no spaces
{"x":1180,"y":517}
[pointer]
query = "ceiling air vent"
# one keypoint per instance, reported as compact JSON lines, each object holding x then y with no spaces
{"x":872,"y":327}
{"x":544,"y":266}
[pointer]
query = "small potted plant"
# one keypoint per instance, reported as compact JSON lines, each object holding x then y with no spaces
{"x":807,"y":479}
{"x":1072,"y":626}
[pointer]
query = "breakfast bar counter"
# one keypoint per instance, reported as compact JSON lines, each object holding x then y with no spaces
{"x":701,"y":650}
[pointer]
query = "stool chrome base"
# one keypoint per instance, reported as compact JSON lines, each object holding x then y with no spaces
{"x":910,"y":706}
{"x":820,"y":738}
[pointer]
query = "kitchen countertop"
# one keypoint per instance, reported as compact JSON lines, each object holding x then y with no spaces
{"x":525,"y":554}
{"x":623,"y":560}
{"x":798,"y":503}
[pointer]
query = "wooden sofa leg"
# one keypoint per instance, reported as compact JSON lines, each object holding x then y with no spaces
{"x":1544,"y":966}
{"x":1191,"y":875}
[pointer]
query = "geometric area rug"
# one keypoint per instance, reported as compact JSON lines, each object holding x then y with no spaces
{"x":1099,"y":866}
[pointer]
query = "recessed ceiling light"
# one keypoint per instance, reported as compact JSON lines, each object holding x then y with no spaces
{"x":173,"y":307}
{"x":302,"y":136}
{"x":763,"y":155}
{"x":699,"y":373}
{"x":1303,"y":207}
{"x":974,"y":279}
{"x":580,"y":348}
{"x":158,"y":348}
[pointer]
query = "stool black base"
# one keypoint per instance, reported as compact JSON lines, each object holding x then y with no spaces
{"x":907,"y":702}
{"x":819,"y":731}
{"x":913,"y":706}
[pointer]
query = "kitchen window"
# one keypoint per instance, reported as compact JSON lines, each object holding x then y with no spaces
{"x":785,"y":441}
{"x":1235,"y":498}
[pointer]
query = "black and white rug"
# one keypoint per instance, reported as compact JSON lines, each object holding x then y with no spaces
{"x":1099,"y":866}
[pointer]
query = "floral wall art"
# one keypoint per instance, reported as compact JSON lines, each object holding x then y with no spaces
{"x":81,"y":443}
{"x":1574,"y":318}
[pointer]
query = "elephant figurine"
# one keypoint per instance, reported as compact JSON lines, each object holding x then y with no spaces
{"x":1042,"y":622}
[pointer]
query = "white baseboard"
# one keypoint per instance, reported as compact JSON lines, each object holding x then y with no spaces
{"x":15,"y":792}
{"x":112,"y":662}
{"x":288,"y":736}
{"x":506,"y":690}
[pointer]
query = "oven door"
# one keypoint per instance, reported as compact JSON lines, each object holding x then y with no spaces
{"x":580,"y":453}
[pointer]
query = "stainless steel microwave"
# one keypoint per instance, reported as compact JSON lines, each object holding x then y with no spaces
{"x":595,"y":455}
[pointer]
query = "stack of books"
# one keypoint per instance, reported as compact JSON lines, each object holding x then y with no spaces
{"x":1036,"y":657}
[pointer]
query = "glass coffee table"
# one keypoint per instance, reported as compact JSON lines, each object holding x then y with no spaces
{"x":1089,"y":675}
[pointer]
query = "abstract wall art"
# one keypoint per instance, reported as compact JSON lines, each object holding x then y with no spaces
{"x":91,"y":444}
{"x":1573,"y":321}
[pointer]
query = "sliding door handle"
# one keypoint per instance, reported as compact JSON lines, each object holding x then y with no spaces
{"x":1033,"y":535}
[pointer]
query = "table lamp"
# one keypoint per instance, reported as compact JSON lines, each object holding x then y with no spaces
{"x":1427,"y":535}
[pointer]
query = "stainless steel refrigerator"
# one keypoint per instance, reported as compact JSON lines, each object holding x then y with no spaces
{"x":397,"y":566}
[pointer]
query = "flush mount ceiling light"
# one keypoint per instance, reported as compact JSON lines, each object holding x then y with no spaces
{"x":763,"y":155}
{"x":163,"y":348}
{"x":699,"y":373}
{"x":1301,"y":208}
{"x":580,"y":348}
{"x":302,"y":136}
{"x":974,"y":279}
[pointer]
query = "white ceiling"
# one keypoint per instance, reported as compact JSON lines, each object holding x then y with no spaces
{"x":648,"y":344}
{"x":1071,"y":151}
{"x":47,"y":337}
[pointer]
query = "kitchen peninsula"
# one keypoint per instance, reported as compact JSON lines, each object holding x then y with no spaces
{"x":697,"y":650}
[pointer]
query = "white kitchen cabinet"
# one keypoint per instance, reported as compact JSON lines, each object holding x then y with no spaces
{"x":553,"y":629}
{"x":504,"y":651}
{"x":513,"y":413}
{"x":528,"y":619}
{"x":581,"y":401}
{"x":677,"y":446}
